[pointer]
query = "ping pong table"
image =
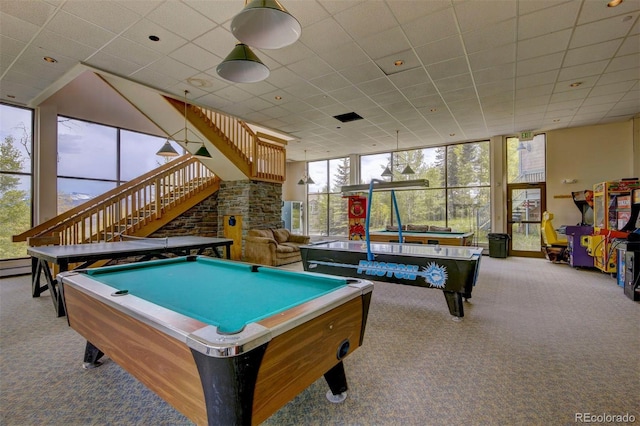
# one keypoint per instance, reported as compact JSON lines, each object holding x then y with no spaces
{"x":86,"y":254}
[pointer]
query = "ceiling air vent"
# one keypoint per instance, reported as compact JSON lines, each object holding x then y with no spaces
{"x":345,"y":118}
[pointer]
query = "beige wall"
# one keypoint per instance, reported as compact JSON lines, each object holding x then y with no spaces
{"x":589,"y":154}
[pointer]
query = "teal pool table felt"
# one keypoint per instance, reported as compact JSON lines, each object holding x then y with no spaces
{"x":221,"y":293}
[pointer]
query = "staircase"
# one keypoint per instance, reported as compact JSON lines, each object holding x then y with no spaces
{"x":145,"y":204}
{"x":258,"y":155}
{"x":138,"y":207}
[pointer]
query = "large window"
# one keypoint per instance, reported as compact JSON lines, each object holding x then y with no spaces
{"x":327,"y":209}
{"x":93,"y":158}
{"x":459,"y":188}
{"x":15,"y":178}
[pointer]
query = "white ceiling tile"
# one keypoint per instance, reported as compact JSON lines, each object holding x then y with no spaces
{"x":548,"y":20}
{"x":11,"y":47}
{"x":472,"y":15}
{"x":357,"y":20}
{"x":196,"y":57}
{"x":181,"y":19}
{"x":501,"y":72}
{"x":290,"y":54}
{"x":388,"y":63}
{"x":140,"y":7}
{"x":599,"y":31}
{"x":540,"y":64}
{"x":79,"y":30}
{"x":345,"y":56}
{"x":492,"y":57}
{"x":611,"y":99}
{"x":441,"y":50}
{"x":114,"y":64}
{"x":584,"y":70}
{"x":141,"y":30}
{"x":410,"y":77}
{"x":621,"y":87}
{"x":419,"y":91}
{"x":594,"y":10}
{"x":453,"y":83}
{"x":132,"y":52}
{"x":385,"y":43}
{"x":216,"y":11}
{"x":406,"y":11}
{"x":624,"y":62}
{"x":34,"y":12}
{"x":374,"y":87}
{"x":324,"y":35}
{"x":173,"y":68}
{"x":619,"y":76}
{"x":219,"y":41}
{"x":527,"y":7}
{"x":311,"y":68}
{"x":543,"y":45}
{"x":630,"y":45}
{"x":330,"y":82}
{"x":491,"y":36}
{"x":448,"y":68}
{"x":16,"y":28}
{"x":431,"y":27}
{"x":594,"y":52}
{"x":362,"y":73}
{"x":105,"y":14}
{"x":55,"y":44}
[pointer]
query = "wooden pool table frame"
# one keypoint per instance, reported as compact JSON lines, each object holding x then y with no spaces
{"x":176,"y":356}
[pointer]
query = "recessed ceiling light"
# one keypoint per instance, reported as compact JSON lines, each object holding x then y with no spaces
{"x":398,"y":62}
{"x":278,"y":98}
{"x":452,"y":134}
{"x":50,"y":59}
{"x":576,"y":84}
{"x":154,"y":38}
{"x":614,"y":3}
{"x":433,"y":109}
{"x":556,"y":120}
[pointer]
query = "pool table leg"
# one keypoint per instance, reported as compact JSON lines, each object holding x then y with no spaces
{"x":336,"y":379}
{"x":228,"y":384}
{"x":91,"y":356}
{"x":454,"y":302}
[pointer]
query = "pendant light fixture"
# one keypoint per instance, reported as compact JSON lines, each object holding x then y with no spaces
{"x":406,"y":171}
{"x":201,"y":152}
{"x":167,"y":150}
{"x":242,"y":66}
{"x":265,"y":24}
{"x":306,"y":179}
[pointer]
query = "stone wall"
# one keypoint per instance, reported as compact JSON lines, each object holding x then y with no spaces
{"x":202,"y":220}
{"x":259,"y":204}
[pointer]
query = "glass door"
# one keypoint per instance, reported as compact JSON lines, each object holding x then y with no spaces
{"x":525,"y":204}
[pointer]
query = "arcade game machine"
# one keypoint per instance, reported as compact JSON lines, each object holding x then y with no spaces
{"x":578,"y":256}
{"x":611,"y":211}
{"x":629,"y":252}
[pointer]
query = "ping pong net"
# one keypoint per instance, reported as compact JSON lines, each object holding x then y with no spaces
{"x":148,"y":241}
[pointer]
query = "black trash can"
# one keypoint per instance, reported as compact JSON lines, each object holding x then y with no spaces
{"x":498,"y":244}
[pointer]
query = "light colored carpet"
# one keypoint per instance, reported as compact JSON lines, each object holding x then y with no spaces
{"x":540,"y":342}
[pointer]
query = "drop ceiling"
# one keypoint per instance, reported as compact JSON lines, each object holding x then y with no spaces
{"x":470,"y":69}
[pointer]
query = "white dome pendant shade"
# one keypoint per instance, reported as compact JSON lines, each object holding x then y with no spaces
{"x":265,"y":24}
{"x":242,"y":66}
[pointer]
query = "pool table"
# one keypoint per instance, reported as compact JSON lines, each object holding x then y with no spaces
{"x":424,"y":237}
{"x":224,"y":342}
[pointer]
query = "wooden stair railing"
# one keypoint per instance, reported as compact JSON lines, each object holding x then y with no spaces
{"x":258,"y":155}
{"x":132,"y":206}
